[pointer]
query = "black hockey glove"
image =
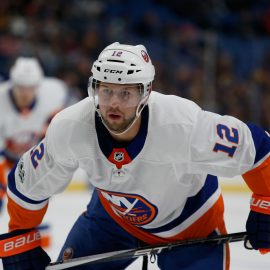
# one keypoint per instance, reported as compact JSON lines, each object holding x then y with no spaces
{"x":258,"y":224}
{"x":21,"y":250}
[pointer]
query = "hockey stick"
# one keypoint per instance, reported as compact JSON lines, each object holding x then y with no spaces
{"x":148,"y":250}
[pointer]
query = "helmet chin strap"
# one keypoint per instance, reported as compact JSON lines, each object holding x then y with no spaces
{"x":139,"y":109}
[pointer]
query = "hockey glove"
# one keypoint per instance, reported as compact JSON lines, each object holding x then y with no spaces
{"x":258,"y":223}
{"x":20,"y":250}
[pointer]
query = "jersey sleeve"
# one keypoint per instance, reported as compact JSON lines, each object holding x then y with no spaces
{"x":225,"y":146}
{"x":258,"y":178}
{"x":2,"y":164}
{"x":38,"y":175}
{"x":2,"y":141}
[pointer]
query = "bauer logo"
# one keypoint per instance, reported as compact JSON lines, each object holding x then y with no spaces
{"x":20,"y":241}
{"x":132,"y":207}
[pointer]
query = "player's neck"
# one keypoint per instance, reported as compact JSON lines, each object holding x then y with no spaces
{"x":129,"y":134}
{"x":21,"y":105}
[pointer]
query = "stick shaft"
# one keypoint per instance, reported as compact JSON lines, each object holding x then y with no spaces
{"x":143,"y":251}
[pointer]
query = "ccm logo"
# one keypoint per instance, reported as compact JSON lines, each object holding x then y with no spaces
{"x":107,"y":70}
{"x":21,"y":241}
{"x":260,"y":203}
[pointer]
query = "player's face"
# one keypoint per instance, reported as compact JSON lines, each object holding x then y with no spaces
{"x":24,"y":96}
{"x":118,"y":104}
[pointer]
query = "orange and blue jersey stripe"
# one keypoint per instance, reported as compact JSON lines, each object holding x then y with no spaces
{"x":258,"y":178}
{"x":24,"y":212}
{"x":16,"y":195}
{"x":202,"y":214}
{"x":192,"y":205}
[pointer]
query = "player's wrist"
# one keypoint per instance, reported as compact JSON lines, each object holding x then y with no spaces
{"x":21,"y":250}
{"x":19,"y":241}
{"x":260,"y":204}
{"x":258,"y":223}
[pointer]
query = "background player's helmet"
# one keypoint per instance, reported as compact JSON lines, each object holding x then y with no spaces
{"x":123,"y":64}
{"x":26,"y":72}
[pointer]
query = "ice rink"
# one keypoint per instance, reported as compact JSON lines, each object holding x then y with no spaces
{"x":65,"y":208}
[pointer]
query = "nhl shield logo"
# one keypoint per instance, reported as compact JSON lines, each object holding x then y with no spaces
{"x":119,"y":156}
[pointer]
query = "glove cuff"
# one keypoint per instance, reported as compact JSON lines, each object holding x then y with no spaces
{"x":19,"y":243}
{"x":260,"y":204}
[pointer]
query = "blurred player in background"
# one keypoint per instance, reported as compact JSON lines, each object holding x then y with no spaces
{"x":28,"y":101}
{"x":153,"y":160}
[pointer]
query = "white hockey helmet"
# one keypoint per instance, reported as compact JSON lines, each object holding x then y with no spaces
{"x":26,"y":72}
{"x":124,"y":64}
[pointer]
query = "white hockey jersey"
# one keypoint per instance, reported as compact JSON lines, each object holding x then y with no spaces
{"x":20,"y":131}
{"x":158,"y":186}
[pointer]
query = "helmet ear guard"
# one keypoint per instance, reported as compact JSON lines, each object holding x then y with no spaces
{"x":92,"y":85}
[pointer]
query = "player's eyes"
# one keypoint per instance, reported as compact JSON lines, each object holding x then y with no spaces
{"x":106,"y":91}
{"x":125,"y":94}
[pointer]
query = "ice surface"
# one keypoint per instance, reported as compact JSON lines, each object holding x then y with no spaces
{"x":65,"y":208}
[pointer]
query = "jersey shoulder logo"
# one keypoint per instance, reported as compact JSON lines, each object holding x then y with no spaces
{"x":134,"y":208}
{"x":21,"y":171}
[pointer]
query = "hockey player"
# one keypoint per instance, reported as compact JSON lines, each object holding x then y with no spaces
{"x":153,"y":160}
{"x":28,"y":102}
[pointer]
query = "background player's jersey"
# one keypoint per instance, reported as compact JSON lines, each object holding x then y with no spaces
{"x":161,"y":191}
{"x":20,"y":130}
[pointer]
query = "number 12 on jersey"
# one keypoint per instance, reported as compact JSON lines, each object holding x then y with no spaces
{"x":229,"y":134}
{"x":37,"y":154}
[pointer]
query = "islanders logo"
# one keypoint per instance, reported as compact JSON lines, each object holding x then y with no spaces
{"x":132,"y":207}
{"x":145,"y":56}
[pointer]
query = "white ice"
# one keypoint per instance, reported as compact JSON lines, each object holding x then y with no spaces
{"x":64,"y":209}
